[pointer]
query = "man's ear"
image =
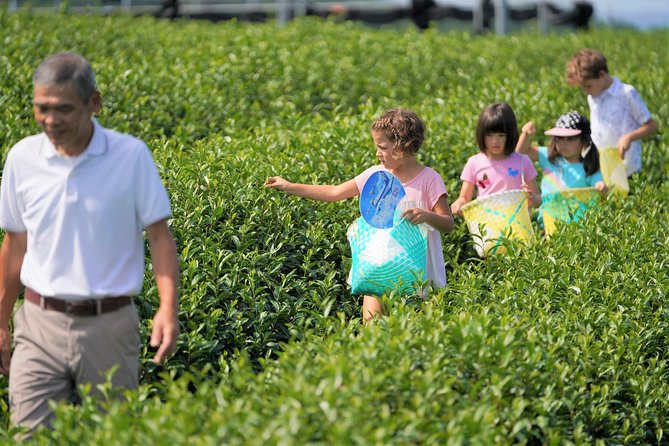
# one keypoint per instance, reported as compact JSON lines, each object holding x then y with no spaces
{"x":95,"y":103}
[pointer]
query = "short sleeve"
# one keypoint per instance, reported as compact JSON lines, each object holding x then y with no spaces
{"x":638,"y":108}
{"x":152,"y":201}
{"x":11,"y":206}
{"x":469,"y":171}
{"x":435,"y":189}
{"x":362,"y":178}
{"x":543,"y":156}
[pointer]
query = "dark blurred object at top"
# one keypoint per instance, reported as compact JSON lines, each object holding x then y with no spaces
{"x":168,"y":9}
{"x":424,"y":11}
{"x":421,"y":13}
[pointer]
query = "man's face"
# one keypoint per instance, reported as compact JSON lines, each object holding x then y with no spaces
{"x":64,"y":116}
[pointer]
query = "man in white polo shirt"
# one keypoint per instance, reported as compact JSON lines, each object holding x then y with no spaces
{"x":74,"y":202}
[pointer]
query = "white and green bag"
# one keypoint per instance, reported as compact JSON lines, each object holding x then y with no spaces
{"x":387,"y":259}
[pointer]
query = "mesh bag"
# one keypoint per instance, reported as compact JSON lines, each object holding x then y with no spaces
{"x":390,"y":259}
{"x":568,"y":205}
{"x":613,"y":171}
{"x":499,"y":215}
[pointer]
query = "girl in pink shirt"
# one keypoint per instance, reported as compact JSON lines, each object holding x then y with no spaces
{"x":498,"y":167}
{"x":397,"y":135}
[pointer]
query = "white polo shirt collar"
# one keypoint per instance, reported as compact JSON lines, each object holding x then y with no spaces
{"x":96,"y":146}
{"x":613,"y":90}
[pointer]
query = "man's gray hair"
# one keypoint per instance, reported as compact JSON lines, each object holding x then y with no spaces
{"x":67,"y":68}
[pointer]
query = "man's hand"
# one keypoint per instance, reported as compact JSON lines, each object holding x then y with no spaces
{"x":5,"y":350}
{"x":164,"y":334}
{"x":166,"y":271}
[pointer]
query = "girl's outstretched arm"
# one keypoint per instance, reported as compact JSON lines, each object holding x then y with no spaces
{"x":320,"y":192}
{"x":525,"y":142}
{"x":466,"y":194}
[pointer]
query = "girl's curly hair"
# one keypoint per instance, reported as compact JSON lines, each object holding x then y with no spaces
{"x":403,"y":127}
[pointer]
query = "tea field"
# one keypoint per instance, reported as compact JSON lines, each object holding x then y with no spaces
{"x":562,"y":342}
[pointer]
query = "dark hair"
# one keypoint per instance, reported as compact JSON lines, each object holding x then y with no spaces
{"x":498,"y":118}
{"x":403,"y":127}
{"x":67,"y":68}
{"x":591,"y":159}
{"x":585,"y":65}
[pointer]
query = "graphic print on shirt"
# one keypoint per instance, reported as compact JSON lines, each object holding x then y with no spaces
{"x":485,"y":182}
{"x":513,"y":172}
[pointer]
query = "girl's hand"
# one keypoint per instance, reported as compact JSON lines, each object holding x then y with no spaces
{"x":456,"y":206}
{"x":601,"y":187}
{"x":277,"y":183}
{"x":416,"y":215}
{"x":532,"y":198}
{"x":529,"y":128}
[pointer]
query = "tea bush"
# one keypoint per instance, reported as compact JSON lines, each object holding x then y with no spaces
{"x":563,"y":342}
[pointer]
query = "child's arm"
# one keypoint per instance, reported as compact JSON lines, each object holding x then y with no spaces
{"x":440,"y":217}
{"x":524,"y":142}
{"x":625,"y":141}
{"x":466,"y":194}
{"x":320,"y":192}
{"x":533,"y":194}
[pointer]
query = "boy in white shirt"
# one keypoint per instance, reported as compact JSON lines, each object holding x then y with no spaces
{"x":618,"y":116}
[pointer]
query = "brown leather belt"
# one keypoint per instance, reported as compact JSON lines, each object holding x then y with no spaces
{"x":90,"y":307}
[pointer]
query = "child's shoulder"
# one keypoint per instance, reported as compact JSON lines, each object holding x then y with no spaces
{"x":371,"y":169}
{"x":525,"y":156}
{"x":478,"y":157}
{"x":618,"y":86}
{"x":429,"y":171}
{"x":514,"y":157}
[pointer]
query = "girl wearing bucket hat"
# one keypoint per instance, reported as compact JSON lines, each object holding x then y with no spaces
{"x":570,"y":160}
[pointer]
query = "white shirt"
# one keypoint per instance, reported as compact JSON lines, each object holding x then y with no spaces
{"x":83,"y":215}
{"x":617,"y":111}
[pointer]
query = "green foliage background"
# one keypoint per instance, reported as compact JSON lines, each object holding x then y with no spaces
{"x":565,"y":342}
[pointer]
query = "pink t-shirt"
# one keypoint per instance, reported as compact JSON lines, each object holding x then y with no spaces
{"x":426,"y":187}
{"x":492,"y":176}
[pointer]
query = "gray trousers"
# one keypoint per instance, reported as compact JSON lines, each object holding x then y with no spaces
{"x":55,"y":352}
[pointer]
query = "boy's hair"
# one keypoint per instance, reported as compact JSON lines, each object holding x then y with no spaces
{"x":403,"y":127}
{"x":498,"y":118}
{"x":585,"y":65}
{"x":591,"y":158}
